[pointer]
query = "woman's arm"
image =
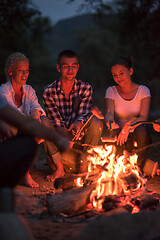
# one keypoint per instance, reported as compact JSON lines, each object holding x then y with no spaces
{"x":143,"y":116}
{"x":109,"y":116}
{"x":144,"y":110}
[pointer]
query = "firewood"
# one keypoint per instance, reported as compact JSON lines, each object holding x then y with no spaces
{"x":118,"y":210}
{"x":148,"y":202}
{"x":110,"y":202}
{"x":69,"y":202}
{"x":70,"y":181}
{"x":66,"y":182}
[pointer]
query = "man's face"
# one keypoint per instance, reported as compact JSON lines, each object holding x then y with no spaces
{"x":68,"y":67}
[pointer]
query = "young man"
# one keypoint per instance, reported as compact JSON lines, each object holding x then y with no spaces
{"x":19,"y":152}
{"x":68,"y":104}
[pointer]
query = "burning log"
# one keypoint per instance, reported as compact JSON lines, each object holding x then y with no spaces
{"x":67,"y":182}
{"x":114,"y":202}
{"x":118,"y":210}
{"x":110,"y":202}
{"x":147,"y":202}
{"x":69,"y":202}
{"x":71,"y":181}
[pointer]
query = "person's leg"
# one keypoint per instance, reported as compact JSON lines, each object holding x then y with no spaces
{"x":142,"y":137}
{"x":92,"y":132}
{"x":17,"y":155}
{"x":54,"y":157}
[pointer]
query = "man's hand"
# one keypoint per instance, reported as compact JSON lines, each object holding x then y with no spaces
{"x":75,"y":128}
{"x":97,"y":113}
{"x":7,"y":130}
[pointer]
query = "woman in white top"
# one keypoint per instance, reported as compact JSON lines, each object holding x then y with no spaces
{"x":126,"y":104}
{"x":21,"y":97}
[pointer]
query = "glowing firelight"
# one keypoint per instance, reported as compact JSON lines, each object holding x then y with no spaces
{"x":79,"y":182}
{"x":117,"y":176}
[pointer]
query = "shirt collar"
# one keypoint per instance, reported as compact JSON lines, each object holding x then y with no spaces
{"x":11,"y":88}
{"x":74,"y":89}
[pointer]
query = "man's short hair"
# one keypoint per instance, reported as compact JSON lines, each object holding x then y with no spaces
{"x":67,"y":53}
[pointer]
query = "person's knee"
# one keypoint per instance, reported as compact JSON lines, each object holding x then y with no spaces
{"x":96,"y":125}
{"x":143,"y":134}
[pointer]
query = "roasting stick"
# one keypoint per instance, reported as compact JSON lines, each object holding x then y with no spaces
{"x":82,"y":128}
{"x":134,"y":125}
{"x":143,"y":148}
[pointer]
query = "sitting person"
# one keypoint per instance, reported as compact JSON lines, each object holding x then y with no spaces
{"x":19,"y":152}
{"x":68,"y":103}
{"x":127,"y":103}
{"x":22,"y":97}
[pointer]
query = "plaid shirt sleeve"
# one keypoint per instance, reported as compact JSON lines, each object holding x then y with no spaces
{"x":86,"y":94}
{"x":49,"y":98}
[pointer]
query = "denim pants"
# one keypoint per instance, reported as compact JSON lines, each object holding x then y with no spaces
{"x":91,"y":135}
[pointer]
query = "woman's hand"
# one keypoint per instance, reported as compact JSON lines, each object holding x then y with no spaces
{"x":36,"y":114}
{"x":112,"y":125}
{"x":123,"y":135}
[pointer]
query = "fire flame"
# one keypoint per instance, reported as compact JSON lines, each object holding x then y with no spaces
{"x":116,"y":176}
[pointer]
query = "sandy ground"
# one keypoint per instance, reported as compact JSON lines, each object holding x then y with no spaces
{"x":30,"y":203}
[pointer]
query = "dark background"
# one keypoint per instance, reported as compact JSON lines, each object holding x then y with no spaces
{"x":125,"y":27}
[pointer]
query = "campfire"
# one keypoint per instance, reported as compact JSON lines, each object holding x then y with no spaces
{"x":112,"y":182}
{"x":118,"y":176}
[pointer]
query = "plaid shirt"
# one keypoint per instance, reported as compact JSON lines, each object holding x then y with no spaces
{"x":62,"y":111}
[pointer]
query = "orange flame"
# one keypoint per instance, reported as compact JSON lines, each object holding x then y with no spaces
{"x":117,"y":176}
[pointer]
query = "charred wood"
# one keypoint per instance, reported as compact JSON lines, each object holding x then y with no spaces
{"x":69,"y":202}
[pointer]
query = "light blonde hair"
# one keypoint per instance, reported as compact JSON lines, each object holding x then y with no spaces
{"x":12,"y":61}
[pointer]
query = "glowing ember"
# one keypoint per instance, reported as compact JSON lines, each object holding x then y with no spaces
{"x":135,"y":144}
{"x":79,"y":182}
{"x":117,"y":176}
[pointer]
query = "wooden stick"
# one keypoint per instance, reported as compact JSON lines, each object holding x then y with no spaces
{"x":134,"y":125}
{"x":82,"y":127}
{"x":143,"y":148}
